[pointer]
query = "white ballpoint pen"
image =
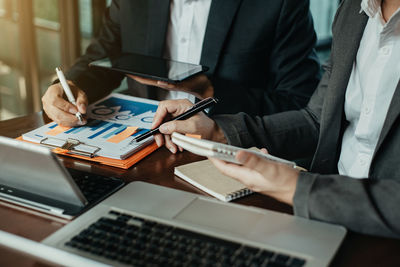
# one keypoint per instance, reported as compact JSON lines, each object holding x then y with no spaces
{"x":67,"y":91}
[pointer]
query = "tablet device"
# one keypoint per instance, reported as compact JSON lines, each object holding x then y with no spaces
{"x":150,"y":67}
{"x":221,"y":151}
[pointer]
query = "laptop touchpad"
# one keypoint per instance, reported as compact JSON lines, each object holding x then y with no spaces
{"x":225,"y":217}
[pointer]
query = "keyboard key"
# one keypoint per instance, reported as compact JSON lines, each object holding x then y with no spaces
{"x":280,"y":258}
{"x":297,"y":262}
{"x":113,"y":212}
{"x":266,"y":254}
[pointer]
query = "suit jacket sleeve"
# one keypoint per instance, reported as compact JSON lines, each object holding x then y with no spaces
{"x":368,"y":205}
{"x":292,"y":72}
{"x":291,"y":134}
{"x":95,"y":82}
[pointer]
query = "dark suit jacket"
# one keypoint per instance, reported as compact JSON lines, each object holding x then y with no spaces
{"x":367,"y":205}
{"x":260,"y":52}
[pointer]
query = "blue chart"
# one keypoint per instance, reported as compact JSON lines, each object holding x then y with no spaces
{"x":122,"y":110}
{"x":134,"y":108}
{"x":96,"y":129}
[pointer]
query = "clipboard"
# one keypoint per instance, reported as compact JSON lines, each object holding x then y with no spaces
{"x":73,"y":146}
{"x":113,"y":122}
{"x":123,"y":164}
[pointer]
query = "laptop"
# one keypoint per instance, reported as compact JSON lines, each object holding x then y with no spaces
{"x":33,"y":177}
{"x":150,"y":225}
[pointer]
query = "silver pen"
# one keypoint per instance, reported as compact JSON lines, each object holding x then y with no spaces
{"x":67,"y":91}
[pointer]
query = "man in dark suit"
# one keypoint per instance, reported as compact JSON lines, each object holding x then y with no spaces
{"x":351,"y":126}
{"x":260,"y":54}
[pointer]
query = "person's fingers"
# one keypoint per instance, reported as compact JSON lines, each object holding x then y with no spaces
{"x":229,"y":169}
{"x":243,"y":174}
{"x":176,"y":126}
{"x":151,"y":82}
{"x":264,"y":150}
{"x":64,"y":105}
{"x":53,"y":92}
{"x":59,"y":109}
{"x":81,"y":102}
{"x":61,"y":117}
{"x":166,"y":85}
{"x":164,"y":109}
{"x":142,"y":80}
{"x":54,"y":97}
{"x":159,"y":138}
{"x":254,"y":162}
{"x":199,"y":85}
{"x":170,"y":108}
{"x":170,"y":145}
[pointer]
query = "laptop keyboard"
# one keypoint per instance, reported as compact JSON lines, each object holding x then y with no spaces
{"x":94,"y":187}
{"x":140,"y":242}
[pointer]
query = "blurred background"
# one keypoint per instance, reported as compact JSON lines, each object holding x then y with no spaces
{"x":39,"y":35}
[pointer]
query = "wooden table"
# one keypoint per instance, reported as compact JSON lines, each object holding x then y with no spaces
{"x":157,"y":168}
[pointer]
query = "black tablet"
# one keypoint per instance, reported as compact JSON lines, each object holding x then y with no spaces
{"x":150,"y":67}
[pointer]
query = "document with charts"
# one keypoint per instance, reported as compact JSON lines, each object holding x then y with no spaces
{"x":112,"y":124}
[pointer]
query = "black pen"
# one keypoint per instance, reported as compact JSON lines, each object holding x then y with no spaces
{"x":199,"y":106}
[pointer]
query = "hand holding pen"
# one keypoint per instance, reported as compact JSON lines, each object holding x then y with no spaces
{"x":183,"y":117}
{"x":68,"y":92}
{"x":59,"y":109}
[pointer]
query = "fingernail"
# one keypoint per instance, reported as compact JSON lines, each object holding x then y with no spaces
{"x":73,"y":110}
{"x":82,"y":122}
{"x":242,"y":157}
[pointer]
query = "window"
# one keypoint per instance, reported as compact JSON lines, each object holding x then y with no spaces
{"x":47,"y":35}
{"x":90,"y":17}
{"x":323,"y":12}
{"x":37,"y":36}
{"x":12,"y":90}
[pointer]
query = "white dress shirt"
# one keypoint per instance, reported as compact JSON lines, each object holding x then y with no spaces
{"x":186,"y":29}
{"x":375,"y":75}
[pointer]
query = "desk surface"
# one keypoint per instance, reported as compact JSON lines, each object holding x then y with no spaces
{"x":356,"y":250}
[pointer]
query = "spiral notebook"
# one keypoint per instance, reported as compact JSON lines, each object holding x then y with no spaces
{"x":204,"y":175}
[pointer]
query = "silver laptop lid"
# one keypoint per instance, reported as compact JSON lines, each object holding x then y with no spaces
{"x":35,"y":169}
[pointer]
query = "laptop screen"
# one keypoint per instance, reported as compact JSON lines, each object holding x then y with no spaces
{"x":34,"y":169}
